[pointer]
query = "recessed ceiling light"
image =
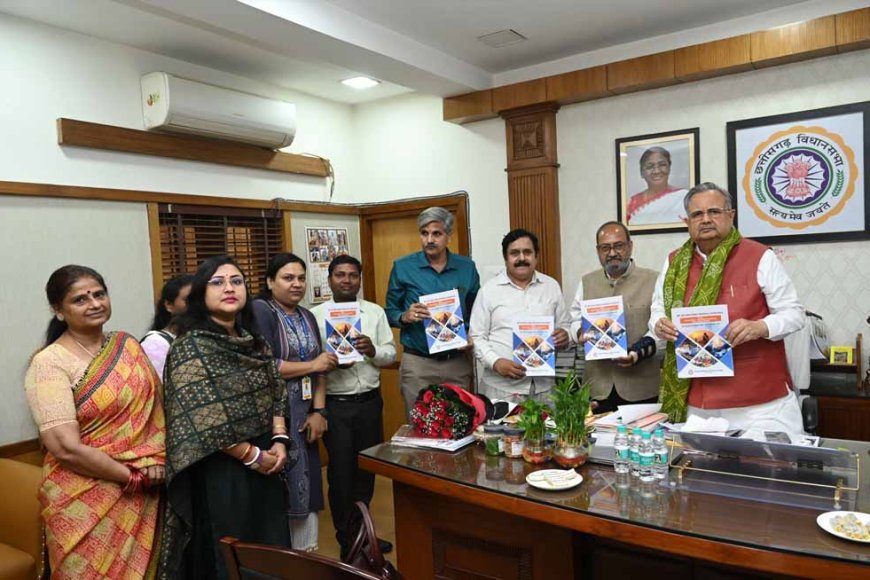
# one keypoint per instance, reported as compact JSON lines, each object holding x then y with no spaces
{"x":360,"y":83}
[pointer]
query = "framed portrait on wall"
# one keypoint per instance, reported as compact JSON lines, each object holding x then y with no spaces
{"x":653,"y":174}
{"x":799,"y":177}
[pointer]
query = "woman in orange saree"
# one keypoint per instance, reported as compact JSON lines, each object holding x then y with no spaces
{"x":96,"y":400}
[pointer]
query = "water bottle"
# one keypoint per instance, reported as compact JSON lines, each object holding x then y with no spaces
{"x":633,"y":451}
{"x":645,"y":452}
{"x":660,"y":455}
{"x":621,"y":450}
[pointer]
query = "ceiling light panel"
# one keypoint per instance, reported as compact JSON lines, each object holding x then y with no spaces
{"x":502,"y":38}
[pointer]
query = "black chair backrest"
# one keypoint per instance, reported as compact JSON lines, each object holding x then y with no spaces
{"x":257,"y":561}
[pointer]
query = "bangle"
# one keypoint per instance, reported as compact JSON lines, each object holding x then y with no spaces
{"x":136,"y":482}
{"x":255,"y":462}
{"x":245,"y":452}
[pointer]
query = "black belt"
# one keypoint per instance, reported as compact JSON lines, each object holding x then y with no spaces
{"x":354,"y":398}
{"x":437,"y":356}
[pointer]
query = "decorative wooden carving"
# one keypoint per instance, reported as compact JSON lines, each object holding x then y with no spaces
{"x":533,"y":180}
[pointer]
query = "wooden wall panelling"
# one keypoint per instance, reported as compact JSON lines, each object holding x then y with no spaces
{"x":794,"y":42}
{"x":711,"y":59}
{"x":287,"y":230}
{"x":844,"y":418}
{"x":470,"y":107}
{"x":853,"y":30}
{"x":578,"y":85}
{"x":131,"y":195}
{"x":533,"y":196}
{"x":519,"y":95}
{"x":645,"y":72}
{"x":533,"y":180}
{"x":96,"y":136}
{"x":156,"y":251}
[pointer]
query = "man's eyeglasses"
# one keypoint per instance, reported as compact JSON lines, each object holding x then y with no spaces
{"x":220,"y":281}
{"x":619,"y":247}
{"x":713,"y":213}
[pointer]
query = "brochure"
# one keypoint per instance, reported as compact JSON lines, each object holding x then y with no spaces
{"x":533,"y":345}
{"x":445,"y":330}
{"x":406,"y":436}
{"x":702,"y":350}
{"x":343,"y":326}
{"x":603,"y":327}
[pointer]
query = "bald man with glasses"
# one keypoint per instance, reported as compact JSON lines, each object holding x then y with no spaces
{"x":633,"y":378}
{"x":717,"y":265}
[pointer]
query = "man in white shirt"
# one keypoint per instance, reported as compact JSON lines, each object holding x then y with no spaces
{"x":353,"y":401}
{"x":763,"y":308}
{"x":518,"y":291}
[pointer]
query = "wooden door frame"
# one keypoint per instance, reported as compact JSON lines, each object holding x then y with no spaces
{"x":456,"y":203}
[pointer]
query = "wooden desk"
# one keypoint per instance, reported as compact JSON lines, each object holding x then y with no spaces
{"x":470,"y":516}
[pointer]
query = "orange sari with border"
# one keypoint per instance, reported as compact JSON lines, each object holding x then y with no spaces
{"x":93,"y":528}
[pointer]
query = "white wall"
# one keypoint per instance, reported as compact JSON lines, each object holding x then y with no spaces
{"x":56,"y":232}
{"x":404,"y":150}
{"x":832,"y":279}
{"x":49,"y":73}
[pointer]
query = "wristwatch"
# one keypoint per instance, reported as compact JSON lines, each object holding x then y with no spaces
{"x":322,"y":412}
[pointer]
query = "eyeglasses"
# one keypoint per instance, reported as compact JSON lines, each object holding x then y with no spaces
{"x":619,"y":247}
{"x":221,"y":282}
{"x":713,"y":213}
{"x":661,"y":166}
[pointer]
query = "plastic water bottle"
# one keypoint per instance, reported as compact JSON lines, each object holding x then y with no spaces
{"x":621,"y":450}
{"x":645,"y":451}
{"x":634,"y":451}
{"x":660,"y":454}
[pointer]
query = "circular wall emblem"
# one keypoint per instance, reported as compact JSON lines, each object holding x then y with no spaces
{"x":800,"y":177}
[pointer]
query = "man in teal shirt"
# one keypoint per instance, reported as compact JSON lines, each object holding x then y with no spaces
{"x":434,"y":269}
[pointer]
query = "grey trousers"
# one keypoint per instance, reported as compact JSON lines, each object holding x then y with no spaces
{"x":417,"y":372}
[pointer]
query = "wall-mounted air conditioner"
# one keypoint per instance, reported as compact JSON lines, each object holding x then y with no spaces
{"x":174,"y":104}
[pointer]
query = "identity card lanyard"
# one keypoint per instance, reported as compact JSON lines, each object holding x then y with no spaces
{"x":303,"y":354}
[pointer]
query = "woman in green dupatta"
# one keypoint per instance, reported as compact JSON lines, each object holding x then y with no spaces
{"x":226,"y":433}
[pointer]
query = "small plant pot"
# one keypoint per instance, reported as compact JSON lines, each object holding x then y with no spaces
{"x":571,"y":455}
{"x":536,"y":451}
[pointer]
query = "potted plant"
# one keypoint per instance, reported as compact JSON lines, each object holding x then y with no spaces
{"x":532,"y":420}
{"x":570,"y":407}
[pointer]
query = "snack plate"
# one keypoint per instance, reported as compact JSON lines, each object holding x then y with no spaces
{"x":554,"y":479}
{"x":826,"y":522}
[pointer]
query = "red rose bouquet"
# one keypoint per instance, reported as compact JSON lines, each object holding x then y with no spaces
{"x":447,"y":412}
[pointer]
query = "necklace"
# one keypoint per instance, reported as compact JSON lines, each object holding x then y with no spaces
{"x":92,"y":355}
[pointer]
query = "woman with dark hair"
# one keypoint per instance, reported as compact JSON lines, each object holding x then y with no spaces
{"x":226,"y":432}
{"x":660,"y":202}
{"x":293,"y":334}
{"x":173,"y":301}
{"x":95,"y":398}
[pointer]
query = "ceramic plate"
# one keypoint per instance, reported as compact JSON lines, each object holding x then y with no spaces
{"x":554,"y":479}
{"x":826,"y":522}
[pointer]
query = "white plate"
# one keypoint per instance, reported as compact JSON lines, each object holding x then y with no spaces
{"x":825,"y":522}
{"x":554,"y":479}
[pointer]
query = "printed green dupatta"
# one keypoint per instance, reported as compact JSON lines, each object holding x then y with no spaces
{"x":219,"y":391}
{"x":674,"y":392}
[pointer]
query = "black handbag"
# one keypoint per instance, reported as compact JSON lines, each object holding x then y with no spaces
{"x":365,"y":554}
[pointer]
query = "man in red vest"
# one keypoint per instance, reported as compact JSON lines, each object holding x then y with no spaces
{"x":718,"y":266}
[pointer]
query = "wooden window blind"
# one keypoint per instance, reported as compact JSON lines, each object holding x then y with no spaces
{"x":190,"y":234}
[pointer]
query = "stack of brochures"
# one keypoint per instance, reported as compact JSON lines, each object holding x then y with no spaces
{"x":645,"y":416}
{"x":406,"y":436}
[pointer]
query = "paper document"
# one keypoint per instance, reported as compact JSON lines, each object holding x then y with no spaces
{"x":602,"y":327}
{"x":445,"y":330}
{"x":343,"y":327}
{"x":641,"y":415}
{"x":406,"y":436}
{"x":533,"y":345}
{"x":701,"y":347}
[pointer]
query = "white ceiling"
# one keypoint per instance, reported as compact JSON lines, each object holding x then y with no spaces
{"x":411,"y":45}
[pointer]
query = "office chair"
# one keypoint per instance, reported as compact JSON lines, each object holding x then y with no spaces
{"x":257,"y":561}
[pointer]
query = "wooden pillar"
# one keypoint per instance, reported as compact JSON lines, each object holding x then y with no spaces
{"x":533,"y":180}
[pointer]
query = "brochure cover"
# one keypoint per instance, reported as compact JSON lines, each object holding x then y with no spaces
{"x":445,"y":330}
{"x":702,"y":350}
{"x":603,"y":326}
{"x":533,"y":345}
{"x":343,"y":326}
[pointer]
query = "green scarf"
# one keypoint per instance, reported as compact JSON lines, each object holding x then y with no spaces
{"x":674,"y":392}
